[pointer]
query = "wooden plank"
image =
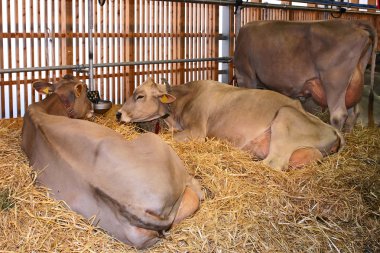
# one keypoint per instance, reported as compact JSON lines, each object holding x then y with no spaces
{"x":111,"y":22}
{"x":77,"y":33}
{"x":118,"y":53}
{"x":167,"y":5}
{"x":83,"y":34}
{"x":181,"y":43}
{"x":25,"y":95}
{"x":17,"y":56}
{"x":67,"y":28}
{"x":2,"y":88}
{"x":95,"y":45}
{"x":100,"y":70}
{"x":130,"y":25}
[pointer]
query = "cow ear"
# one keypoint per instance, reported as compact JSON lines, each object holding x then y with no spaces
{"x":43,"y":87}
{"x":78,"y":90}
{"x":167,"y":98}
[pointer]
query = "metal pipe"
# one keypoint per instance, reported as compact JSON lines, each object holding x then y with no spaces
{"x":290,"y":7}
{"x":91,"y":49}
{"x":81,"y":67}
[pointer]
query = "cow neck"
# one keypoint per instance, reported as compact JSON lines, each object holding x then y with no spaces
{"x":68,"y":106}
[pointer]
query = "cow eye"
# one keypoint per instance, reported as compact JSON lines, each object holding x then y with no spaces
{"x":139,"y":97}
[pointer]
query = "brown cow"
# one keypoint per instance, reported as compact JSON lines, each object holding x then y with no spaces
{"x":265,"y":123}
{"x":323,"y":59}
{"x":136,"y":189}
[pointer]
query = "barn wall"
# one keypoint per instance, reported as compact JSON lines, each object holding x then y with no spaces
{"x":36,"y":33}
{"x":39,"y":33}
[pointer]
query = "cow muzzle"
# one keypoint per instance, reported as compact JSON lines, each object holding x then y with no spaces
{"x":118,"y":116}
{"x":122,"y":117}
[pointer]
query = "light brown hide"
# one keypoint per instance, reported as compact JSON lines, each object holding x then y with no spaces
{"x":267,"y":124}
{"x":322,"y":59}
{"x":134,"y":188}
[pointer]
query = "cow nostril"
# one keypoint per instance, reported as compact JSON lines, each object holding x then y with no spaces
{"x":118,"y":115}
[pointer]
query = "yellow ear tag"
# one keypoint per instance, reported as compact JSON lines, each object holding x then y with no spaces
{"x":164,"y":99}
{"x":46,"y":90}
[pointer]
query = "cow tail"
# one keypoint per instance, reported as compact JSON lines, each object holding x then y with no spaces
{"x":373,"y":35}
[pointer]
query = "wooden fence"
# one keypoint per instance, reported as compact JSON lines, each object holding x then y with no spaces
{"x":43,"y":33}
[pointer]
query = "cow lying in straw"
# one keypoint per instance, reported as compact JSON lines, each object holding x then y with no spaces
{"x":267,"y":124}
{"x":136,"y":189}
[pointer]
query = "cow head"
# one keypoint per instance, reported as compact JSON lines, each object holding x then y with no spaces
{"x":149,"y":101}
{"x":72,"y":93}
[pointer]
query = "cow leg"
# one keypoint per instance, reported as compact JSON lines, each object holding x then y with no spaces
{"x":189,"y":204}
{"x":353,"y":114}
{"x":292,"y":130}
{"x":246,"y":77}
{"x":303,"y":156}
{"x":336,"y":104}
{"x":141,"y":238}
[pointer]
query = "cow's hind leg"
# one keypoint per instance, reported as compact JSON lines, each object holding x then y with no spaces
{"x":141,"y":238}
{"x":303,"y":156}
{"x":189,"y":204}
{"x":297,"y":134}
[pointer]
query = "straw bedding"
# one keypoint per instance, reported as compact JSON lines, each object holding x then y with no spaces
{"x":333,"y":206}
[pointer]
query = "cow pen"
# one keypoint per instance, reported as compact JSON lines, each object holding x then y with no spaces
{"x":331,"y":206}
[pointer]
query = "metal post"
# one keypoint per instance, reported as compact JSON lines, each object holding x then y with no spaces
{"x":225,"y":42}
{"x":91,"y":49}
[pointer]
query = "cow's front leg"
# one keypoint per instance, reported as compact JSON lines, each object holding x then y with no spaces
{"x":353,"y":114}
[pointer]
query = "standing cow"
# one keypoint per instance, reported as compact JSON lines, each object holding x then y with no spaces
{"x":136,"y":189}
{"x":265,"y":123}
{"x":322,"y":59}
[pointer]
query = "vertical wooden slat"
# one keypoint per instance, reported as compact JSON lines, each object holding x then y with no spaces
{"x":39,"y":54}
{"x":67,"y":28}
{"x":2,"y":90}
{"x":101,"y":56}
{"x":188,"y":8}
{"x":83,"y":34}
{"x":173,"y":45}
{"x":77,"y":59}
{"x":118,"y":53}
{"x":107,"y":52}
{"x":32,"y":53}
{"x":25,"y":82}
{"x":130,"y":45}
{"x":96,"y":45}
{"x":181,"y":43}
{"x":17,"y":56}
{"x":161,"y":39}
{"x":166,"y":44}
{"x":111,"y":22}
